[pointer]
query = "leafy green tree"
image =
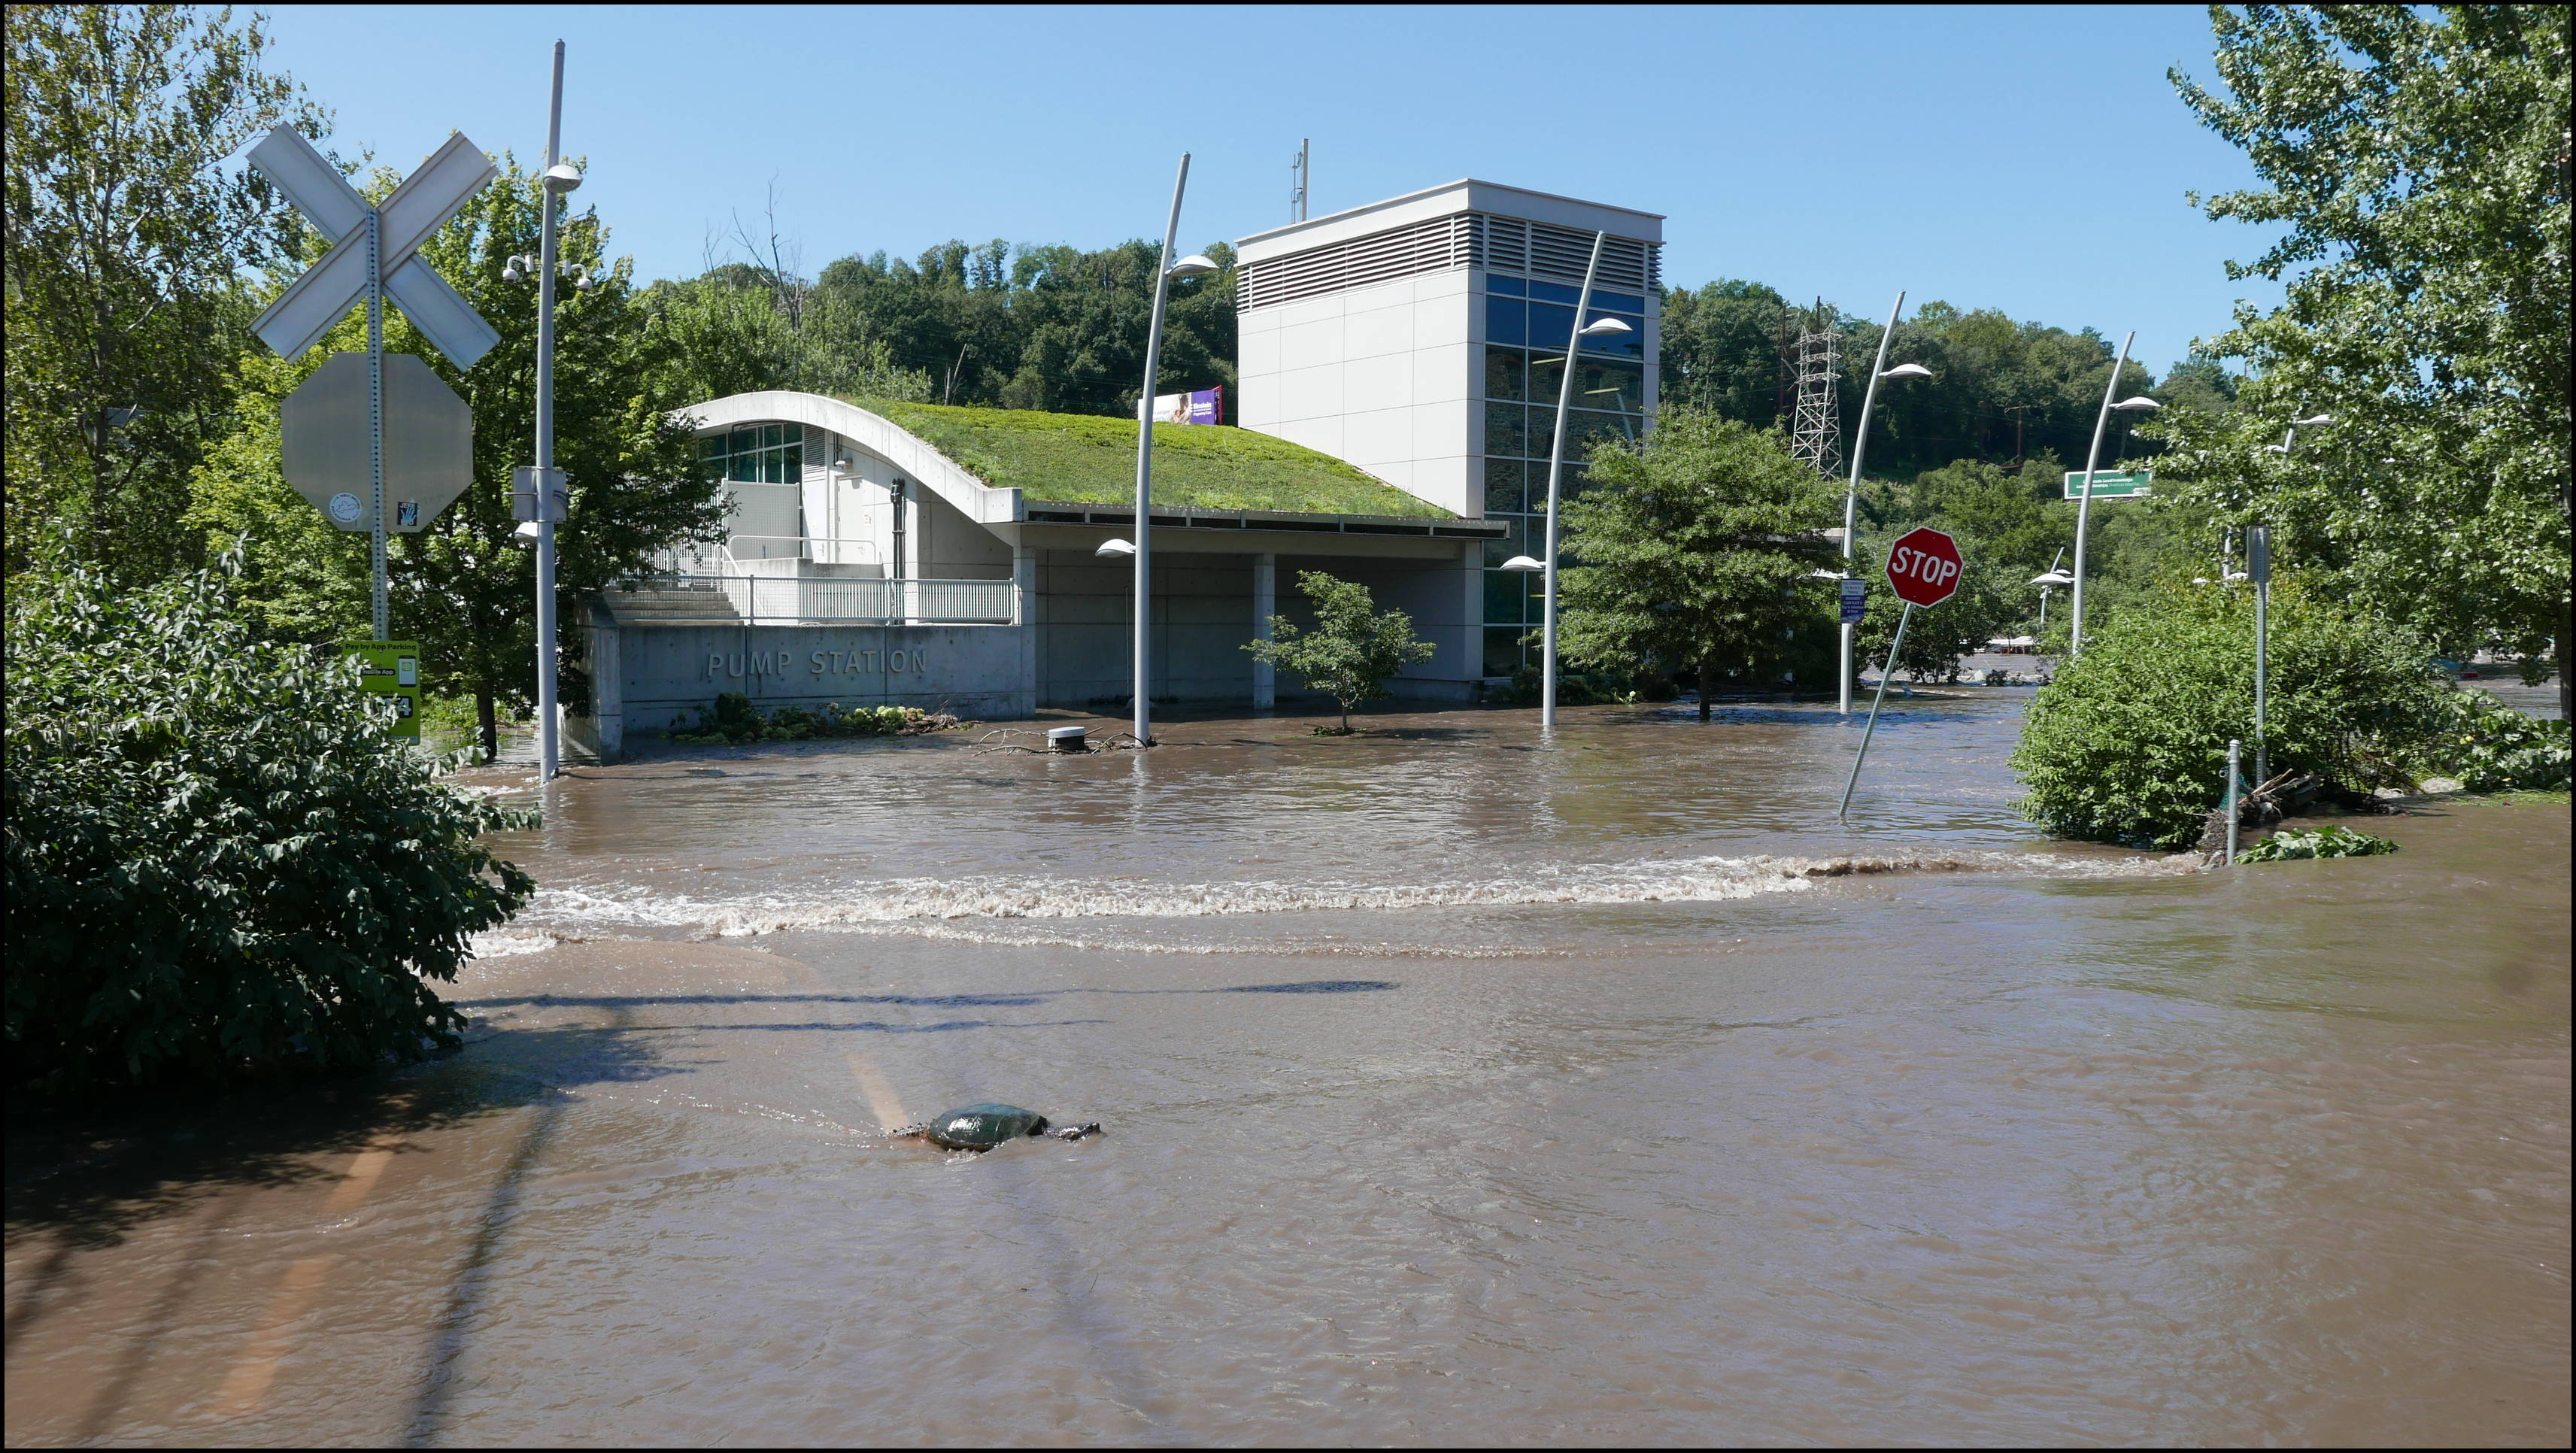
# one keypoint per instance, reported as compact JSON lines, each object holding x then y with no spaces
{"x":2128,"y":742}
{"x":1721,"y":349}
{"x":2415,"y":164}
{"x":1693,"y":546}
{"x":463,"y":587}
{"x":1351,"y":651}
{"x":125,"y":237}
{"x":219,"y":861}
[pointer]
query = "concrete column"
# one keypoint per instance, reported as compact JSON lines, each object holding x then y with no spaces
{"x":1265,"y":604}
{"x":603,"y":733}
{"x":1024,"y":618}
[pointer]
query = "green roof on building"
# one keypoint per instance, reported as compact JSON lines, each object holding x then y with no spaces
{"x":1091,"y":459}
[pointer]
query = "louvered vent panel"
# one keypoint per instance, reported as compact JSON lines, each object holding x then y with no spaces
{"x":1470,"y":239}
{"x":1435,"y":245}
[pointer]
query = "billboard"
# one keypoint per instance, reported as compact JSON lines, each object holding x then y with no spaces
{"x":1199,"y":406}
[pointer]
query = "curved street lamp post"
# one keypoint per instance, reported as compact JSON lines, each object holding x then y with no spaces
{"x":1143,"y":550}
{"x":1860,"y":450}
{"x":2084,"y":507}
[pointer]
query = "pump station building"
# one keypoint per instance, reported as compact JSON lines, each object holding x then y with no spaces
{"x":1396,"y":400}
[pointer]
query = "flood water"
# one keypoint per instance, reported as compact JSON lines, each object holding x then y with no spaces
{"x":1460,"y":1086}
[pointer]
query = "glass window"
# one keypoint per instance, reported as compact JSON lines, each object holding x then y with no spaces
{"x":795,"y":463}
{"x":1587,"y":428}
{"x":1504,"y":321}
{"x":1503,"y":597}
{"x":742,"y":441}
{"x":1555,"y":292}
{"x":1514,"y":542}
{"x":1550,"y":326}
{"x":1503,"y":649}
{"x":1503,"y":369}
{"x":1618,"y":302}
{"x":1600,"y":384}
{"x":773,"y":466}
{"x":1631,"y":344}
{"x":1505,"y":434}
{"x":1542,"y":437}
{"x":744,"y":467}
{"x":772,"y":435}
{"x":1547,"y":375}
{"x":1504,"y":286}
{"x":712,"y":447}
{"x":1503,"y":487}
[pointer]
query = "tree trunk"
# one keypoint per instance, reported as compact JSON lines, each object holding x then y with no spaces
{"x":1707,"y":687}
{"x":485,"y":711}
{"x":1346,"y":718}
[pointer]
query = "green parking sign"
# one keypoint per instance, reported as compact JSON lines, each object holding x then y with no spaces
{"x":392,"y":668}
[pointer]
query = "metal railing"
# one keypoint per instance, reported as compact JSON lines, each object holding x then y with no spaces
{"x":788,"y":600}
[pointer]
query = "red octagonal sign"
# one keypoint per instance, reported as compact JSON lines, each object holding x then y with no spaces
{"x":1924,"y":567}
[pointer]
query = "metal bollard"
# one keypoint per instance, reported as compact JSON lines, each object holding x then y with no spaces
{"x":2235,"y":755}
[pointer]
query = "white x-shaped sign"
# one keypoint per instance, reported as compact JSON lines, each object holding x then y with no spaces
{"x":417,"y":208}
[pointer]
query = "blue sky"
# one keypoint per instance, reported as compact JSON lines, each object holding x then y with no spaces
{"x":2026,"y":158}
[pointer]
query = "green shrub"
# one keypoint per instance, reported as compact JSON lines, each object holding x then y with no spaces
{"x":2128,"y":743}
{"x":2488,"y":746}
{"x":732,"y":720}
{"x":219,"y":863}
{"x":2322,"y":842}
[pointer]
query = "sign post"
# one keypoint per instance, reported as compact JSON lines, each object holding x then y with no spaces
{"x":323,"y":451}
{"x":1923,"y":569}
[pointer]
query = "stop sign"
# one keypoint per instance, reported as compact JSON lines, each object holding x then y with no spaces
{"x":1924,"y":567}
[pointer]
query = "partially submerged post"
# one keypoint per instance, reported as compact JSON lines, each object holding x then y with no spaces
{"x":2235,"y":751}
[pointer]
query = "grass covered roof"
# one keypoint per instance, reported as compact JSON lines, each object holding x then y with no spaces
{"x":1089,"y":459}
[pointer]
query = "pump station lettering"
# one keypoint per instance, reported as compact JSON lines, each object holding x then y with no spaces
{"x":817,"y":663}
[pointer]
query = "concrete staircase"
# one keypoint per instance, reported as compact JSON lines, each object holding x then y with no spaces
{"x":691,"y":605}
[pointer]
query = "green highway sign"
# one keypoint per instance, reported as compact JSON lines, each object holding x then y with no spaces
{"x":2111,"y":483}
{"x":392,"y":668}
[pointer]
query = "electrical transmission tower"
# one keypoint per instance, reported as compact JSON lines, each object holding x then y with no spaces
{"x":1816,"y":434}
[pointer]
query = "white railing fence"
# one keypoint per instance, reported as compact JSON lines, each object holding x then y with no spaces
{"x":763,"y":599}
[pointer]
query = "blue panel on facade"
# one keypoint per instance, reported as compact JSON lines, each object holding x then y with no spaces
{"x":1507,"y":286}
{"x":1505,"y":321}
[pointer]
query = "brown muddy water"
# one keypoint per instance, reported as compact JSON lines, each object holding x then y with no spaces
{"x":1460,"y":1087}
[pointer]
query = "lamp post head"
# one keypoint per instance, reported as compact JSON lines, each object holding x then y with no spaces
{"x":1194,"y":265}
{"x":2317,"y":422}
{"x":562,"y":177}
{"x":1910,"y":370}
{"x":1523,"y":564}
{"x":2054,"y":577}
{"x":1601,"y":327}
{"x":1114,"y":550}
{"x":2138,"y":403}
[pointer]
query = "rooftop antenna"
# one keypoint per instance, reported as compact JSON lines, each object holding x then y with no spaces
{"x":1300,"y":171}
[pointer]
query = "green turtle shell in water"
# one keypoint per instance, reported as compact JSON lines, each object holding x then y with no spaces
{"x":981,"y":1127}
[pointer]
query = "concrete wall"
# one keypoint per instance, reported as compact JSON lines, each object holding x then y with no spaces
{"x":648,"y":679}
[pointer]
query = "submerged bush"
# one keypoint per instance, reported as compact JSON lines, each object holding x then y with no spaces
{"x":2322,"y":842}
{"x":2128,"y":743}
{"x":732,"y":720}
{"x":219,"y":863}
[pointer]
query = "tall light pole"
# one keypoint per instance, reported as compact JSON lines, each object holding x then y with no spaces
{"x":1164,"y":271}
{"x":559,"y":180}
{"x":1556,"y":474}
{"x":1860,"y":450}
{"x":2084,"y":507}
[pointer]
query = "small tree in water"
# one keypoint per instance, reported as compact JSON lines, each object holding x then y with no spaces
{"x":1692,"y":545}
{"x":1354,"y":647}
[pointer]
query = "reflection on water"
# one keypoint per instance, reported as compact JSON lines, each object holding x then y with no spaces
{"x":1663,"y":1108}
